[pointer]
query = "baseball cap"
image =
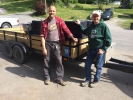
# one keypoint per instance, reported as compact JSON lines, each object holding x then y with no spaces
{"x":96,"y":12}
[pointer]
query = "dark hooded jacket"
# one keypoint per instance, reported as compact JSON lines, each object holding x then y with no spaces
{"x":99,"y":35}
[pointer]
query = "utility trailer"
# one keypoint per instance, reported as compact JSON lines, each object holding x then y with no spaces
{"x":17,"y":44}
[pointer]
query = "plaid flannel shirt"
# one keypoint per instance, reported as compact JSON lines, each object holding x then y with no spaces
{"x":61,"y":26}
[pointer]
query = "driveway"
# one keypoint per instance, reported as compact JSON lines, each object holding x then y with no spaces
{"x":23,"y":17}
{"x":26,"y":82}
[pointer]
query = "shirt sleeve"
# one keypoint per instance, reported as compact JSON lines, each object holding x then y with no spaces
{"x":83,"y":29}
{"x":65,"y":29}
{"x":107,"y":39}
{"x":42,"y":30}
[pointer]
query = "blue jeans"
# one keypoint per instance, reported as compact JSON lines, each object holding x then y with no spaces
{"x":91,"y":55}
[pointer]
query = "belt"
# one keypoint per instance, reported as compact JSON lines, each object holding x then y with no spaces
{"x":53,"y":41}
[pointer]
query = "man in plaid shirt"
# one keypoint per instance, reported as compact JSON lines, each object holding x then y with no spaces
{"x":52,"y":33}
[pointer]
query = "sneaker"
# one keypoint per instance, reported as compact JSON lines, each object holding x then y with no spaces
{"x":93,"y":84}
{"x":61,"y":82}
{"x":47,"y":81}
{"x":85,"y":83}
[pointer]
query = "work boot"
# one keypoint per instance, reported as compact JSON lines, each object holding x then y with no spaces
{"x":85,"y":83}
{"x":61,"y":82}
{"x":94,"y":84}
{"x":47,"y":81}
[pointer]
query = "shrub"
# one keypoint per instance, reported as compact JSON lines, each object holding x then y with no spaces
{"x":131,"y":5}
{"x":73,"y":1}
{"x":40,"y":8}
{"x":59,"y":3}
{"x":78,"y":7}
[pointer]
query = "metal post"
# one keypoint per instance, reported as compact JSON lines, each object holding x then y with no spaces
{"x":15,"y":36}
{"x":4,"y":35}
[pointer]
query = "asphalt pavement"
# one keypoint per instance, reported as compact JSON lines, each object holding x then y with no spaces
{"x":26,"y":82}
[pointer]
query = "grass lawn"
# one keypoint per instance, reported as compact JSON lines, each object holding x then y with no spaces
{"x":77,"y":11}
{"x":18,"y":6}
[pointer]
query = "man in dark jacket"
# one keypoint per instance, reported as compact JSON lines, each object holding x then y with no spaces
{"x":99,"y":41}
{"x":52,"y":33}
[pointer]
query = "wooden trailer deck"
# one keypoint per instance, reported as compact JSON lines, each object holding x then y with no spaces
{"x":71,"y":49}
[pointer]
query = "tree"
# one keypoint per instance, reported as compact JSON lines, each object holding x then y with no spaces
{"x":126,"y":4}
{"x":100,"y":4}
{"x":67,"y":2}
{"x":40,"y":7}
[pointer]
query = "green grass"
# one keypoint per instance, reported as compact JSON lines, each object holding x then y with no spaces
{"x":75,"y":11}
{"x":125,"y":24}
{"x":126,"y":15}
{"x":18,"y":6}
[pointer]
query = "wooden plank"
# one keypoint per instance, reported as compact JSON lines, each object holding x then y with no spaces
{"x":22,"y":35}
{"x":1,"y":32}
{"x":19,"y":39}
{"x":74,"y":55}
{"x":15,"y":29}
{"x":76,"y":43}
{"x":75,"y":49}
{"x":10,"y":34}
{"x":35,"y":42}
{"x":18,"y":34}
{"x":10,"y":37}
{"x":37,"y":47}
{"x":82,"y":49}
{"x":84,"y":40}
{"x":35,"y":37}
{"x":13,"y":33}
{"x":1,"y":37}
{"x":26,"y":41}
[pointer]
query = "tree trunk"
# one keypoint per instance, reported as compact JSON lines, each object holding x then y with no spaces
{"x":67,"y":2}
{"x":45,"y":6}
{"x":100,"y":4}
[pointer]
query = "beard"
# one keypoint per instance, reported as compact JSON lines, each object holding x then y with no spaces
{"x":51,"y":15}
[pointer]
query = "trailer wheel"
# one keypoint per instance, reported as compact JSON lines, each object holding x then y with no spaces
{"x":19,"y":55}
{"x":7,"y":50}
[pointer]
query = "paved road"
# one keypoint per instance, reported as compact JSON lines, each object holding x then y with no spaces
{"x":23,"y":17}
{"x":26,"y":82}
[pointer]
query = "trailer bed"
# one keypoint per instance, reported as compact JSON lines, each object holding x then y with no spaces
{"x":70,"y":51}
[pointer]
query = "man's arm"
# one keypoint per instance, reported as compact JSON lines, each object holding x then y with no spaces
{"x":69,"y":34}
{"x":81,"y":27}
{"x":43,"y":46}
{"x":107,"y":39}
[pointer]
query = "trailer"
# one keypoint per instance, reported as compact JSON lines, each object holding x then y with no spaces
{"x":18,"y":44}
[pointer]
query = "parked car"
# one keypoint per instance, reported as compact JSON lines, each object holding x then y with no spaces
{"x":107,"y":14}
{"x":8,"y":22}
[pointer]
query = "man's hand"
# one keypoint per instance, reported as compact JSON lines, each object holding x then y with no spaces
{"x":44,"y":51}
{"x":100,"y":51}
{"x":77,"y":22}
{"x":75,"y":39}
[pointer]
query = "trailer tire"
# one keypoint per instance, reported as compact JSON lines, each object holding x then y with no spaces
{"x":19,"y":55}
{"x":7,"y":50}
